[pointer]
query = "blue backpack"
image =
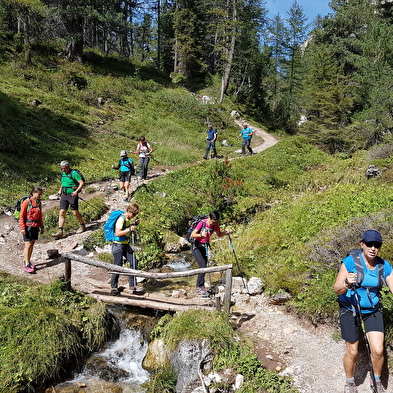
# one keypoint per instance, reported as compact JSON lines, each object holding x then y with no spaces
{"x":109,"y":226}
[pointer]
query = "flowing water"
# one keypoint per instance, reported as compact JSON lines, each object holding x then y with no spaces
{"x":118,"y":367}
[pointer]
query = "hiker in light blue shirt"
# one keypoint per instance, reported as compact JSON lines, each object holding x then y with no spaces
{"x":126,"y":169}
{"x":246,"y":133}
{"x":211,"y":142}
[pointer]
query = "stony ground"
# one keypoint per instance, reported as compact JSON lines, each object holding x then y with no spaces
{"x":307,"y":353}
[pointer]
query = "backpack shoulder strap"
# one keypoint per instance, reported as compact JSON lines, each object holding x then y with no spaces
{"x":381,"y":271}
{"x":360,"y":270}
{"x":355,"y":254}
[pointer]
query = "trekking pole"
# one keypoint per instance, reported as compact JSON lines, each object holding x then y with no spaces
{"x":207,"y":262}
{"x":136,"y":178}
{"x":237,"y":263}
{"x":89,"y":204}
{"x":110,"y":184}
{"x":370,"y":363}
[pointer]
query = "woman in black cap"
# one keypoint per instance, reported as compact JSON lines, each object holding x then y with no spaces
{"x":358,"y":285}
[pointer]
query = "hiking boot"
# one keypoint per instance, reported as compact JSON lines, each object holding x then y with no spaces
{"x":380,"y":388}
{"x":136,"y":289}
{"x":350,"y":388}
{"x":115,"y":292}
{"x":29,"y":268}
{"x":201,"y":291}
{"x":59,"y":234}
{"x":81,"y":228}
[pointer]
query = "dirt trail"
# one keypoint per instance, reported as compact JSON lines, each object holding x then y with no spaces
{"x":308,"y":354}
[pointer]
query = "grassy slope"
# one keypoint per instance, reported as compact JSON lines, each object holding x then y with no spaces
{"x":71,"y":124}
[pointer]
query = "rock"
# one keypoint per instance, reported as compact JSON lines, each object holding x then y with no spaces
{"x":176,"y":247}
{"x":254,"y":286}
{"x":238,"y":381}
{"x":53,"y":197}
{"x":280,"y":298}
{"x":180,"y":293}
{"x":189,"y":360}
{"x":372,"y":171}
{"x":156,"y":356}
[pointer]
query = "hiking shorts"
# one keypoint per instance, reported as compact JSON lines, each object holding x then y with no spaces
{"x":351,"y":329}
{"x":125,"y":176}
{"x":31,"y":234}
{"x":69,"y":200}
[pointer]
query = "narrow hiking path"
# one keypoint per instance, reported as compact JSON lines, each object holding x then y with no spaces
{"x":307,"y":353}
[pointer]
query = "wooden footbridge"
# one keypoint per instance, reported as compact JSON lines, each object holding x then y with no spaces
{"x":150,"y":300}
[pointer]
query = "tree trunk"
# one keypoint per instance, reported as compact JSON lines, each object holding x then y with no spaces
{"x":229,"y":52}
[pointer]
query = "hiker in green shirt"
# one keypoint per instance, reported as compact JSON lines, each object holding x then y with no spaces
{"x":71,"y":184}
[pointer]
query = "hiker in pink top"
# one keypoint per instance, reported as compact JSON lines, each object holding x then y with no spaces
{"x":201,"y":234}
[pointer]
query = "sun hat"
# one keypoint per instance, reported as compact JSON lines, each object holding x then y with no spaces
{"x":123,"y":153}
{"x":371,"y":236}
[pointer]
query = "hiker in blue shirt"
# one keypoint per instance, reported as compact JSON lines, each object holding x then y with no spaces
{"x":126,"y":169}
{"x":211,"y":142}
{"x":360,"y":307}
{"x":246,"y":133}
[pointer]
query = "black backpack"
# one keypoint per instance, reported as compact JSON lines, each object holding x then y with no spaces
{"x":355,"y":254}
{"x":79,"y":173}
{"x":193,"y":223}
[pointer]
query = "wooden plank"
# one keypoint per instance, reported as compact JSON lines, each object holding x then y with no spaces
{"x":160,"y":301}
{"x":136,"y":301}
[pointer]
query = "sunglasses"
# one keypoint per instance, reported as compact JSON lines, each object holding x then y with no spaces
{"x":373,"y":244}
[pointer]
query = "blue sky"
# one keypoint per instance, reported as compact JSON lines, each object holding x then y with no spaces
{"x":311,"y":8}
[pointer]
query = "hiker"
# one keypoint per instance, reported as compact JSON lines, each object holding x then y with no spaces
{"x":126,"y":169}
{"x":200,"y":248}
{"x":144,"y":150}
{"x":121,"y":247}
{"x":31,"y":224}
{"x":71,"y":185}
{"x":246,"y":133}
{"x":368,"y":294}
{"x":211,"y":142}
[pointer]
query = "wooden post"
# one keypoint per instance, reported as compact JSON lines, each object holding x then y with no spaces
{"x":228,"y":290}
{"x":67,"y":269}
{"x":218,"y":303}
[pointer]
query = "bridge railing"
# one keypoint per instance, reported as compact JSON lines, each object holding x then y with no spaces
{"x":67,"y":257}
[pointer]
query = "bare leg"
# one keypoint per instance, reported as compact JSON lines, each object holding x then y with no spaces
{"x":349,"y":359}
{"x":28,"y":250}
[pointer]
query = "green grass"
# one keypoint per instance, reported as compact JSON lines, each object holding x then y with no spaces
{"x":43,"y":329}
{"x":71,"y":124}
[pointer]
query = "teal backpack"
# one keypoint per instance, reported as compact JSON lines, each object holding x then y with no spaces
{"x":109,"y":226}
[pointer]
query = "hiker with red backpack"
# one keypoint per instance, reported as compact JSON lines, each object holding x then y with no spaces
{"x":200,"y":245}
{"x":72,"y":182}
{"x":31,"y":224}
{"x":124,"y":228}
{"x":358,"y":285}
